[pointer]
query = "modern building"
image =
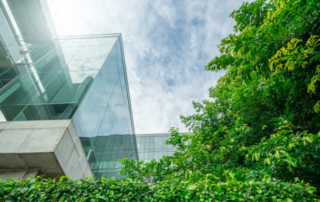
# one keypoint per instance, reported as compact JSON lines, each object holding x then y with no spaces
{"x":64,"y":101}
{"x":55,"y":90}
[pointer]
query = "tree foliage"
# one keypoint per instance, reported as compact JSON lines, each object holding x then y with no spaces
{"x":263,"y":116}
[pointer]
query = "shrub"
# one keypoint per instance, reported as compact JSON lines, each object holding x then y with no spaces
{"x":65,"y":189}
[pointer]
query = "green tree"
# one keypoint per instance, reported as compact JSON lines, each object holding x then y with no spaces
{"x":263,"y":118}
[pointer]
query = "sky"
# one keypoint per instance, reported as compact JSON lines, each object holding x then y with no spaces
{"x":166,"y":43}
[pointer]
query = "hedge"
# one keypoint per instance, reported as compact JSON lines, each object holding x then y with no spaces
{"x":65,"y":189}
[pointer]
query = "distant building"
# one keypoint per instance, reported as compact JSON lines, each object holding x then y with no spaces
{"x":152,"y":146}
{"x":109,"y":149}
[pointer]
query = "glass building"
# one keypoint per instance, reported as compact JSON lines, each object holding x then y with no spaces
{"x":80,"y":78}
{"x":77,"y":78}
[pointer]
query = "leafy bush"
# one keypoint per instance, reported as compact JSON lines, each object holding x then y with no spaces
{"x":38,"y":189}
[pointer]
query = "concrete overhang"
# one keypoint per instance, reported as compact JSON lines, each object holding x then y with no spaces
{"x":52,"y":148}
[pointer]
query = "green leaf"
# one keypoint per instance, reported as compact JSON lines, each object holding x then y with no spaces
{"x":267,"y":161}
{"x":308,"y":139}
{"x":277,"y":155}
{"x":191,"y":187}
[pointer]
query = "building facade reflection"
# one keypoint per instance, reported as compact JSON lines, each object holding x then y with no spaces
{"x":78,"y":78}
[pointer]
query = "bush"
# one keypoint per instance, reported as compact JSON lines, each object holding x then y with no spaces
{"x":65,"y":189}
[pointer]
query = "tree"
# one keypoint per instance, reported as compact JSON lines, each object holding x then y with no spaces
{"x":263,"y":119}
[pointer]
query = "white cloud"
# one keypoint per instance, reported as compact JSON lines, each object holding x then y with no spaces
{"x":167,"y":43}
{"x":166,"y":10}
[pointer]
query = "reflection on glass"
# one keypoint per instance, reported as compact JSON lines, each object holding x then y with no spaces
{"x":78,"y":78}
{"x":42,"y":85}
{"x":103,"y":117}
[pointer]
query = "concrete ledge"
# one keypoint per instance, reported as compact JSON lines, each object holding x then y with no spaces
{"x":51,"y":147}
{"x":18,"y":174}
{"x":35,"y":124}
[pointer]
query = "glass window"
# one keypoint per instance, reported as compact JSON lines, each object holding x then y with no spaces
{"x":152,"y":139}
{"x":89,"y":58}
{"x":156,"y":155}
{"x":106,"y":124}
{"x":150,"y":155}
{"x":138,"y":140}
{"x":141,"y":156}
{"x":156,"y":145}
{"x":38,"y":52}
{"x":53,"y":62}
{"x":102,"y":41}
{"x":117,"y":111}
{"x":76,"y":42}
{"x":68,"y":53}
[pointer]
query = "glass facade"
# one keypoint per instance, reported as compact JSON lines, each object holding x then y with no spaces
{"x":107,"y":152}
{"x":152,"y":146}
{"x":105,"y":113}
{"x":78,"y":78}
{"x":109,"y":149}
{"x":51,"y":79}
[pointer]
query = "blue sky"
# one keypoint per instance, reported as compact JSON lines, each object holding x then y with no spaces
{"x":167,"y":43}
